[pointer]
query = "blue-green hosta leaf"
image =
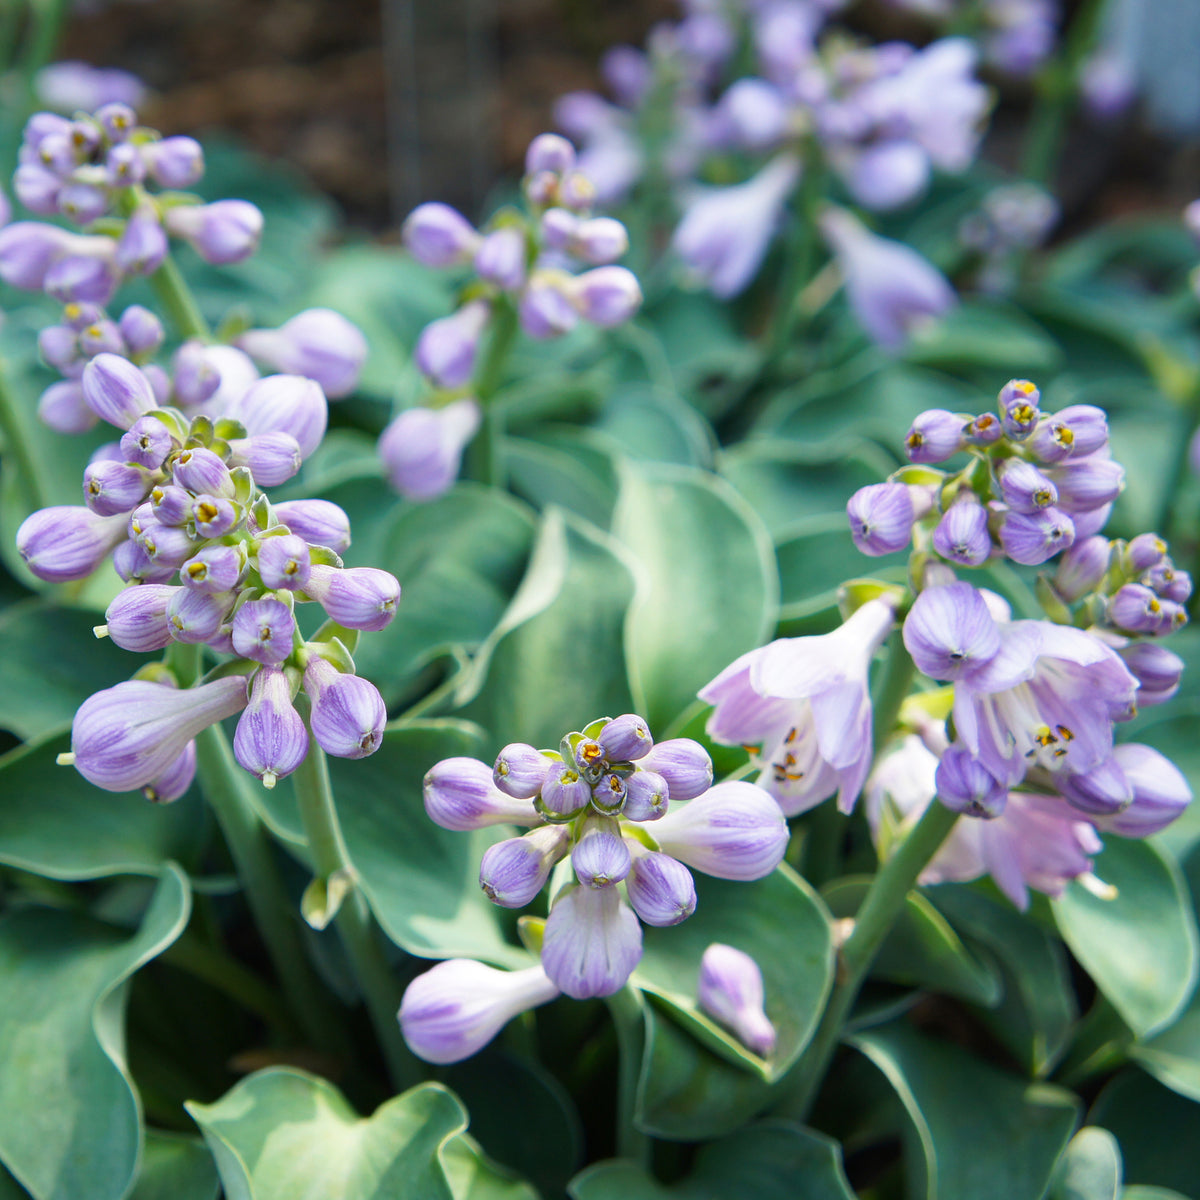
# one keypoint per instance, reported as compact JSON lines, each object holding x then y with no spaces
{"x":1090,"y":1168}
{"x":782,"y":924}
{"x":922,"y":949}
{"x":175,"y":1167}
{"x":556,"y":659}
{"x":769,"y":1160}
{"x":1172,"y":1056}
{"x":53,"y":822}
{"x":571,"y":469}
{"x":70,"y":1120}
{"x":981,"y":1132}
{"x":282,"y":1134}
{"x":1140,"y":948}
{"x":707,"y":585}
{"x":473,"y":1176}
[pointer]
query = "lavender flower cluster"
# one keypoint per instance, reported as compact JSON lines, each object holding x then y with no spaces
{"x":523,"y":261}
{"x":627,"y":815}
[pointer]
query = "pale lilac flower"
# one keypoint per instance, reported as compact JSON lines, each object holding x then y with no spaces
{"x":67,"y":542}
{"x":174,"y":162}
{"x":422,"y":448}
{"x":291,"y":404}
{"x":1034,"y":538}
{"x":962,"y":533}
{"x":500,"y":258}
{"x":1160,"y":792}
{"x":270,"y":740}
{"x":454,"y":1009}
{"x":63,"y":408}
{"x":317,"y":343}
{"x":730,"y":989}
{"x":116,"y":390}
{"x":934,"y":436}
{"x":683,"y":764}
{"x":263,"y":630}
{"x":881,"y":518}
{"x":802,"y":707}
{"x":447,"y":348}
{"x":318,"y":522}
{"x":175,"y":780}
{"x":512,"y":872}
{"x":725,"y":233}
{"x":660,"y":888}
{"x":460,"y":795}
{"x":606,"y":296}
{"x":1156,"y":669}
{"x":1082,"y":568}
{"x":142,"y":245}
{"x":348,"y":713}
{"x":222,"y":233}
{"x":356,"y":597}
{"x":137,"y":617}
{"x":891,"y":288}
{"x":71,"y":85}
{"x":965,"y":785}
{"x":520,"y":771}
{"x":600,"y":857}
{"x":439,"y":236}
{"x":593,"y":942}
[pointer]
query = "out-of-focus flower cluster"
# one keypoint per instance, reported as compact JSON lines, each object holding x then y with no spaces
{"x":552,"y":264}
{"x":626,"y":818}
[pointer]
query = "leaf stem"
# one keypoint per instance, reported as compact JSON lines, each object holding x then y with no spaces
{"x":484,"y":456}
{"x":892,"y":691}
{"x":176,"y":297}
{"x":355,"y":925}
{"x":881,"y":907}
{"x":625,"y":1007}
{"x":17,"y":446}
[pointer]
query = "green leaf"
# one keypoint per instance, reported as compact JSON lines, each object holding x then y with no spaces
{"x":473,"y":1176}
{"x":1037,"y":1010}
{"x":282,"y":1134}
{"x":52,"y":662}
{"x":565,"y":469}
{"x":768,"y":1160}
{"x":707,"y":585}
{"x":1090,"y":1168}
{"x":556,"y":659}
{"x":1149,"y":1192}
{"x":1158,"y":1130}
{"x":983,"y":1133}
{"x":922,"y":949}
{"x":988,"y":334}
{"x":656,"y":424}
{"x":1141,"y":947}
{"x":53,"y":822}
{"x":1173,"y":1055}
{"x":686,"y":1093}
{"x":175,"y":1168}
{"x":782,"y":924}
{"x":70,"y":1121}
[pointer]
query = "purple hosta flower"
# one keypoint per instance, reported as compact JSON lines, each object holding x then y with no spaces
{"x":599,"y":241}
{"x":733,"y":831}
{"x":133,"y":565}
{"x":545,"y":309}
{"x":175,"y":780}
{"x":1145,"y":551}
{"x":606,"y":296}
{"x":447,"y":348}
{"x":460,"y":795}
{"x":356,"y":597}
{"x":59,"y":347}
{"x":935,"y":436}
{"x":439,"y":236}
{"x":174,"y":162}
{"x":1033,"y":538}
{"x":962,"y":533}
{"x":1160,"y":792}
{"x":284,"y":562}
{"x":348,"y":713}
{"x":116,"y":390}
{"x":683,"y":764}
{"x":1087,"y":484}
{"x":1137,"y":609}
{"x":1018,"y":406}
{"x":501,"y":258}
{"x":67,"y":542}
{"x":593,"y":942}
{"x":802,"y":708}
{"x":1104,"y":790}
{"x":196,"y":617}
{"x":171,"y":505}
{"x":195,"y":377}
{"x":290,"y":404}
{"x":222,"y":233}
{"x":881,"y":518}
{"x":70,"y":86}
{"x":100,"y":337}
{"x":271,"y":740}
{"x":549,"y":152}
{"x":317,"y":343}
{"x":565,"y":793}
{"x":1024,"y":488}
{"x":422,"y":448}
{"x":214,"y":516}
{"x":124,"y":737}
{"x":83,"y":203}
{"x":85,"y":277}
{"x":724,"y":234}
{"x":659,"y":887}
{"x":625,"y":739}
{"x":137,"y":618}
{"x":1075,"y":432}
{"x":453,"y":1010}
{"x":63,"y":408}
{"x":318,"y":522}
{"x":214,"y":569}
{"x":37,"y":188}
{"x":751,"y":115}
{"x":965,"y":784}
{"x":143,"y":244}
{"x":520,"y":771}
{"x":646,"y":796}
{"x":27,"y":251}
{"x":263,"y":630}
{"x":271,"y":458}
{"x":1082,"y":568}
{"x":111,"y":487}
{"x":200,"y":470}
{"x":166,"y":545}
{"x":512,"y":872}
{"x":600,"y":856}
{"x":1156,"y":669}
{"x":891,"y":288}
{"x":1020,"y":33}
{"x":730,"y":989}
{"x":1046,"y":696}
{"x":983,"y":430}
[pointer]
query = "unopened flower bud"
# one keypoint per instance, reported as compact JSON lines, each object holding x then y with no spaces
{"x":1135,"y":608}
{"x":965,"y":785}
{"x":1019,"y":408}
{"x":213,"y":569}
{"x":439,"y":236}
{"x":1160,"y":792}
{"x":82,"y":203}
{"x":356,"y":597}
{"x":545,"y":311}
{"x":175,"y":162}
{"x":600,"y":857}
{"x":37,"y":188}
{"x":67,"y":542}
{"x":646,"y":796}
{"x":962,"y":533}
{"x":453,"y":1010}
{"x":983,"y":430}
{"x":500,"y":258}
{"x":263,"y":630}
{"x":284,"y":562}
{"x":318,"y":344}
{"x":1082,"y":568}
{"x":141,"y":330}
{"x":272,"y":458}
{"x":318,"y":522}
{"x":27,"y":251}
{"x":549,"y":152}
{"x":684,"y":764}
{"x":1024,"y":488}
{"x":600,"y":241}
{"x":512,"y":872}
{"x":63,"y":407}
{"x":1101,"y":791}
{"x":1157,"y":670}
{"x":101,"y":337}
{"x":116,"y":391}
{"x":175,"y":780}
{"x":114,"y":487}
{"x":143,"y":243}
{"x":214,"y":516}
{"x":660,"y":888}
{"x":564,"y":792}
{"x":422,"y":448}
{"x":124,"y":166}
{"x":136,"y":619}
{"x":730,"y":989}
{"x":733,"y":831}
{"x":1074,"y":432}
{"x":222,"y":233}
{"x":593,"y":942}
{"x":117,"y":120}
{"x":625,"y":739}
{"x":271,"y":740}
{"x":606,"y":296}
{"x":196,"y":617}
{"x":446,"y":350}
{"x":520,"y":771}
{"x":166,"y":545}
{"x":171,"y":505}
{"x":1145,"y":551}
{"x":608,"y":793}
{"x":1032,"y":538}
{"x":348,"y":713}
{"x":934,"y":436}
{"x":289,"y":404}
{"x":881,"y":518}
{"x":86,"y":277}
{"x":133,"y":565}
{"x":460,"y":795}
{"x":200,"y":470}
